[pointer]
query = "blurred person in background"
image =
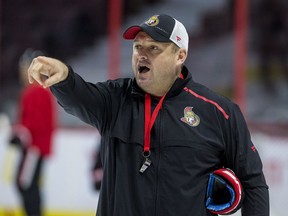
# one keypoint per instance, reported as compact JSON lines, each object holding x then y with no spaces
{"x":33,"y":134}
{"x":162,"y":133}
{"x":97,"y":169}
{"x":270,"y":21}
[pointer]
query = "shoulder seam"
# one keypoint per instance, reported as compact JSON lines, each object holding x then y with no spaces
{"x":226,"y":116}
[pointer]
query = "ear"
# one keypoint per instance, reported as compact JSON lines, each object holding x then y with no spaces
{"x":182,"y":55}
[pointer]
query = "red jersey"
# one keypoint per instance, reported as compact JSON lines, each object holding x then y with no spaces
{"x":37,"y":114}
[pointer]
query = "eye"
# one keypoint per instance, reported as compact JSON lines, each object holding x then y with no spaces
{"x":153,"y":47}
{"x":137,"y":46}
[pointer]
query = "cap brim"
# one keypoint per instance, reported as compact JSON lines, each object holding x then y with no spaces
{"x":132,"y":31}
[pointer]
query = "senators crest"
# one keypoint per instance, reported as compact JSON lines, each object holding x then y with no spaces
{"x":152,"y":21}
{"x":190,"y":117}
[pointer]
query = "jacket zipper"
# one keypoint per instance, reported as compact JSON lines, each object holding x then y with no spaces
{"x":159,"y":160}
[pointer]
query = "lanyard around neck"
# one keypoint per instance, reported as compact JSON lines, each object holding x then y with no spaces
{"x":149,"y":122}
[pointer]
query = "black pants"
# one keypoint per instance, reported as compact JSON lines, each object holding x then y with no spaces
{"x":30,"y":195}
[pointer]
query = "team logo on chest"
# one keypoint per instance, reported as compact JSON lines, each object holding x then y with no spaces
{"x":190,"y":117}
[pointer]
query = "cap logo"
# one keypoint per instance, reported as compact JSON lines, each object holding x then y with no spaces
{"x":190,"y":117}
{"x":153,"y":21}
{"x":178,"y":38}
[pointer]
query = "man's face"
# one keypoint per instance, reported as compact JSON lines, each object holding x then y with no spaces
{"x":155,"y":64}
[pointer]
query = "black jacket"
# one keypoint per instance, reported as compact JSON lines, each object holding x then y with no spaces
{"x":196,"y":132}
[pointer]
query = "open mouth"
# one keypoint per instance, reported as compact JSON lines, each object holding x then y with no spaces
{"x":143,"y":69}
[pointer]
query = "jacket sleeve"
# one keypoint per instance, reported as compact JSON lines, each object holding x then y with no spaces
{"x":243,"y":158}
{"x":89,"y":102}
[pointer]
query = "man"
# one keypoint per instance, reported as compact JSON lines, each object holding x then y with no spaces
{"x":163,"y":133}
{"x":33,"y":135}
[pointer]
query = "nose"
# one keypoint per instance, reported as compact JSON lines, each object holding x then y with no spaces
{"x":142,"y":55}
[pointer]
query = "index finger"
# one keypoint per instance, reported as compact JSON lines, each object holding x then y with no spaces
{"x":34,"y":72}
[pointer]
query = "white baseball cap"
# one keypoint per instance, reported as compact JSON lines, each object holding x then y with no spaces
{"x":162,"y":28}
